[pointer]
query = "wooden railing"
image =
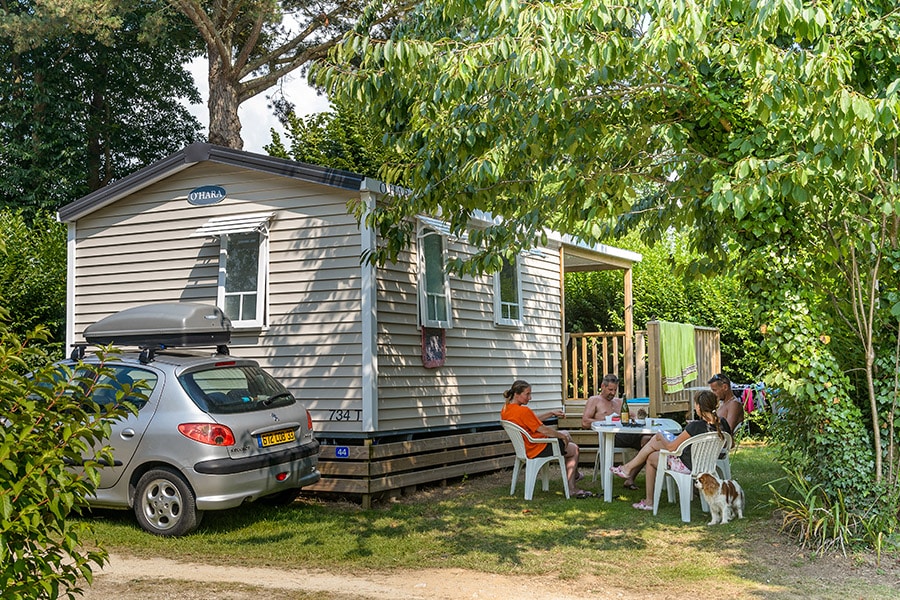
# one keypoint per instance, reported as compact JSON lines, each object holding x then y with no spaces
{"x":590,"y":356}
{"x":709,"y":362}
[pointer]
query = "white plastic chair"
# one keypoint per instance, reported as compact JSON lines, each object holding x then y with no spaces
{"x":705,"y":449}
{"x":534,"y":466}
{"x":738,"y":434}
{"x":723,"y":463}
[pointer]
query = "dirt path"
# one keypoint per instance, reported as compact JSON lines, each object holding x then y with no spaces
{"x":137,"y":578}
{"x":774,"y":569}
{"x":795,"y":578}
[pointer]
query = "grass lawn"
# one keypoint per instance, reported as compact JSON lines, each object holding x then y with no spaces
{"x":475,"y":524}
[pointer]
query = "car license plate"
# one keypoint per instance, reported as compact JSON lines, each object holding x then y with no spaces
{"x":276,"y":437}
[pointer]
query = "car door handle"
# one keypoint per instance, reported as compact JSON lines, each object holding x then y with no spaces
{"x":127,"y":433}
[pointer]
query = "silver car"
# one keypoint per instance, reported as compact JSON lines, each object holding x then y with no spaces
{"x":211,"y":432}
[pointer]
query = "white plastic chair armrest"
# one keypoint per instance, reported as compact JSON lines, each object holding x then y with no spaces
{"x":677,"y":451}
{"x":538,"y":440}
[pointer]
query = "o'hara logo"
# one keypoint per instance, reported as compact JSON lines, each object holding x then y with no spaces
{"x":390,"y":189}
{"x":208,"y":194}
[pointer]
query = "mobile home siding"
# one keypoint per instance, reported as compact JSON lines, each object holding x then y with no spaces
{"x":140,"y":250}
{"x":482,"y":358}
{"x":132,"y":243}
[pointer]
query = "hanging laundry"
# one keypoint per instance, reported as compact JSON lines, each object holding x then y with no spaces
{"x":747,"y":400}
{"x":677,"y":355}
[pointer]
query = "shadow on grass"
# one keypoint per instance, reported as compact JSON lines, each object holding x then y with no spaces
{"x":489,"y":529}
{"x":475,"y":524}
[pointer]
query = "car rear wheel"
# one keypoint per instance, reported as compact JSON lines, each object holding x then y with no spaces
{"x":164,"y":504}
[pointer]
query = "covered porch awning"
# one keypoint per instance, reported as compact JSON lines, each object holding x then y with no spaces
{"x":577,"y":256}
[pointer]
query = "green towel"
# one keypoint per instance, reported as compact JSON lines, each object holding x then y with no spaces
{"x":677,"y":355}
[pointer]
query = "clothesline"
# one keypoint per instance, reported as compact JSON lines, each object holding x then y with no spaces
{"x":735,"y":386}
{"x":752,"y":395}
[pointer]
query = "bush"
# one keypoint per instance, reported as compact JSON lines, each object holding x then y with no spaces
{"x":818,"y":424}
{"x":595,"y":302}
{"x":33,"y":274}
{"x":46,"y":424}
{"x":821,"y":521}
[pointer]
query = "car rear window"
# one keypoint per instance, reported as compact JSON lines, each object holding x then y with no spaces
{"x":234,"y":389}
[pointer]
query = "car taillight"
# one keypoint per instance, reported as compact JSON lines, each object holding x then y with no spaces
{"x":207,"y":433}
{"x":309,"y":420}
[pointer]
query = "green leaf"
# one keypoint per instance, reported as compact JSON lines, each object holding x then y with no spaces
{"x":846,"y":101}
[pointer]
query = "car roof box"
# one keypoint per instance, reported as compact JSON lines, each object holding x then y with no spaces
{"x":162,"y":325}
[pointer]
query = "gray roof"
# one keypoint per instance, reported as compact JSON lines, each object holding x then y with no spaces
{"x":199,"y":152}
{"x":576,"y":258}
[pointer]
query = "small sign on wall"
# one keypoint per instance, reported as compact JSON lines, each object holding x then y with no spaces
{"x":206,"y":195}
{"x":434,"y":347}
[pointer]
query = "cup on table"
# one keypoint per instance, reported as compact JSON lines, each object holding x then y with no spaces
{"x":609,"y":418}
{"x":650,"y":422}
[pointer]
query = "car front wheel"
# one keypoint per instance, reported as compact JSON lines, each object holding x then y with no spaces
{"x":164,"y":504}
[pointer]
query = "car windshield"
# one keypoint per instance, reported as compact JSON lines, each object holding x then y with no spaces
{"x":234,"y":389}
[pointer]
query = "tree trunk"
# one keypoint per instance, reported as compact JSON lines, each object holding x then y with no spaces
{"x":873,"y":406}
{"x":224,"y":124}
{"x":95,"y":178}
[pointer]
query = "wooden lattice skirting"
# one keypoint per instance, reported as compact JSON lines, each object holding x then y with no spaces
{"x":371,"y":470}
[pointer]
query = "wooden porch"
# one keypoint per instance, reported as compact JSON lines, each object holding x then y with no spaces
{"x":589,"y":356}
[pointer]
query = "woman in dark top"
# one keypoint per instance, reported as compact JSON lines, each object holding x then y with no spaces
{"x":705,"y":404}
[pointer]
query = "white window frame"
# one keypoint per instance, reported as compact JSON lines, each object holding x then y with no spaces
{"x":262,"y":282}
{"x":424,"y":297}
{"x":222,"y":228}
{"x":499,"y":304}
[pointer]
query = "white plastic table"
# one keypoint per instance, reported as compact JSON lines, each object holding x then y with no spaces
{"x":606,"y":433}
